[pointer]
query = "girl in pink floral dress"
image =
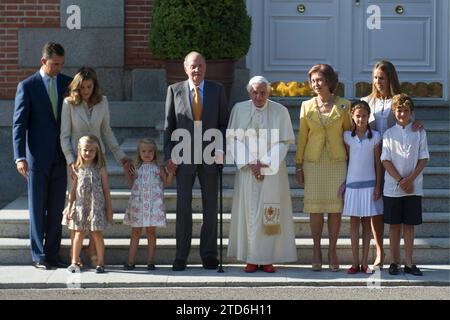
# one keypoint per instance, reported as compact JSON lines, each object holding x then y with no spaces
{"x":146,"y":205}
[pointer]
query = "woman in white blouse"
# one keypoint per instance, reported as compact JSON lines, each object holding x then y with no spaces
{"x":85,"y":112}
{"x":385,"y":85}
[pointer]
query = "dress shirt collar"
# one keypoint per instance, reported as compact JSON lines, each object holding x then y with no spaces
{"x":365,"y":136}
{"x":408,"y":126}
{"x":45,"y":76}
{"x":191,"y":85}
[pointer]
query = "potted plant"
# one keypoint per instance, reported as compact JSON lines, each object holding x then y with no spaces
{"x":219,"y":30}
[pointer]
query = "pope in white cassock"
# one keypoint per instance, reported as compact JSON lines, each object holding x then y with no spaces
{"x":258,"y":138}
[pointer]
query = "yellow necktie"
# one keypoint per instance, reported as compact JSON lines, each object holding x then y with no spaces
{"x":197,"y":105}
{"x":53,"y":98}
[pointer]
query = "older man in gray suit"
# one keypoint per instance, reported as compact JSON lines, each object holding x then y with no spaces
{"x":195,"y":104}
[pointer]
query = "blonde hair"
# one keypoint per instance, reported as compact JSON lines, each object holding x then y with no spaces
{"x":148,"y":141}
{"x":401,"y":101}
{"x":83,"y":74}
{"x":99,"y":160}
{"x":391,"y":74}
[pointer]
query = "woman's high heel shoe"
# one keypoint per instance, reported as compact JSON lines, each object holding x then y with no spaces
{"x":316,"y":267}
{"x":333,"y":267}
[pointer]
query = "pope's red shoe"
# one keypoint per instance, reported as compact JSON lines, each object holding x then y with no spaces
{"x":251,"y":268}
{"x":268,"y":268}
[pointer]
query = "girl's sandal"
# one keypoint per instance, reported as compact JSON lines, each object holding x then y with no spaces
{"x":73,"y":268}
{"x":366,"y":270}
{"x":353,"y":270}
{"x":100,"y":269}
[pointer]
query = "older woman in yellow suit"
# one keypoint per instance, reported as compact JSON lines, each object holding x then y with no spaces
{"x":321,"y":159}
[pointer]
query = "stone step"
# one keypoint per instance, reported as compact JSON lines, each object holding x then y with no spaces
{"x":423,"y":109}
{"x":439,"y":153}
{"x":437,"y":131}
{"x":434,"y":225}
{"x":136,"y":118}
{"x":145,"y":112}
{"x":439,"y":156}
{"x":293,"y":281}
{"x":14,"y":223}
{"x":136,"y":114}
{"x":426,"y":251}
{"x":434,"y":177}
{"x":435,"y":200}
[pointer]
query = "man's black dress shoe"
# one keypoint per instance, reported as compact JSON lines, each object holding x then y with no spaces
{"x":413,"y":270}
{"x":178,"y":265}
{"x":41,"y":265}
{"x":58,"y":264}
{"x":394,"y":269}
{"x":210,"y":263}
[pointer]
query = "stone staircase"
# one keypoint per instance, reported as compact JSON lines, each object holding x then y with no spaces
{"x":432,"y":237}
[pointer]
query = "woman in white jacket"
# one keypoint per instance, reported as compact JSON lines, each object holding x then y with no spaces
{"x":85,"y":112}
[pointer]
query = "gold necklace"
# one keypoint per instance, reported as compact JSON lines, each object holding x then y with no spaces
{"x":325,"y":105}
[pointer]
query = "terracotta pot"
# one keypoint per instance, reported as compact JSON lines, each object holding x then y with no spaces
{"x":216,"y":70}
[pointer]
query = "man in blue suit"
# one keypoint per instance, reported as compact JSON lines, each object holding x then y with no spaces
{"x":38,"y":155}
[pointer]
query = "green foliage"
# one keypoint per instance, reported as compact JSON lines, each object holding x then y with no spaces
{"x":216,"y":29}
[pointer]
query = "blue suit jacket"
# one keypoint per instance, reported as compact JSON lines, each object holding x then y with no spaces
{"x":35,"y":129}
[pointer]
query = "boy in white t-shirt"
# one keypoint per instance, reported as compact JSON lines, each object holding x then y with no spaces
{"x":404,"y":156}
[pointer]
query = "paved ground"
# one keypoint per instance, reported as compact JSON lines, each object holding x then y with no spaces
{"x":262,"y":294}
{"x":27,"y":277}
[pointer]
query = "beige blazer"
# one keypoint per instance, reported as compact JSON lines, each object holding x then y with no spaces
{"x":75,"y":123}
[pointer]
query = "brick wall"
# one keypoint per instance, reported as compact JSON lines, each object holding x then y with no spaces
{"x":15,"y":14}
{"x":137,"y":23}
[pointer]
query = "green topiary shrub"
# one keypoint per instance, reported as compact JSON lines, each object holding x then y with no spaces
{"x":216,"y":29}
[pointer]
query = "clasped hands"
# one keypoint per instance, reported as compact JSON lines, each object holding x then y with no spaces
{"x":407,"y":185}
{"x":256,"y":170}
{"x":127,"y":164}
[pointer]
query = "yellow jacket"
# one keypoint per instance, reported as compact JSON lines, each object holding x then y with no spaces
{"x":313,"y":135}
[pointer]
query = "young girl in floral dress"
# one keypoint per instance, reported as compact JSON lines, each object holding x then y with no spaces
{"x":89,"y":207}
{"x":146,"y":205}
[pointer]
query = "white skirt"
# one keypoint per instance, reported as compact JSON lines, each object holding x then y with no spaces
{"x":360,"y":203}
